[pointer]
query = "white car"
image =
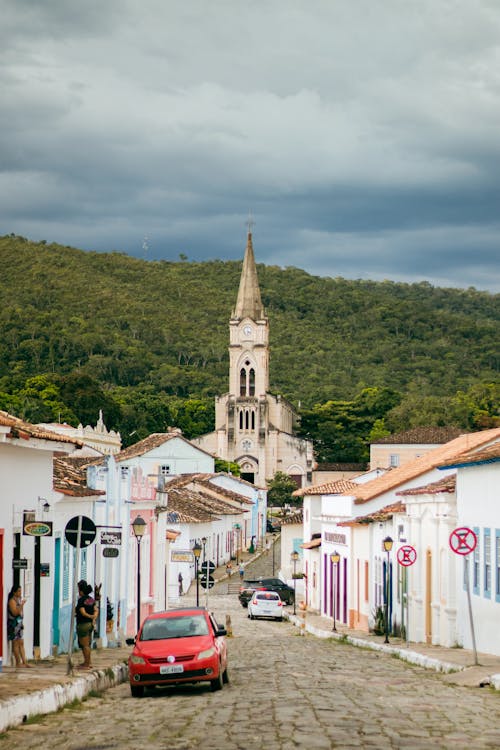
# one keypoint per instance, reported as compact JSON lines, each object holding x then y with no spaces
{"x":265,"y":604}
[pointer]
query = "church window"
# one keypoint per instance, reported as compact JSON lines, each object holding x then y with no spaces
{"x":253,"y":419}
{"x":251,"y":389}
{"x":241,"y":420}
{"x":243,"y":382}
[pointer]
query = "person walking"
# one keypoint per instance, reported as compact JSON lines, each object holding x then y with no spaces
{"x":180,"y":584}
{"x":241,"y":571}
{"x":15,"y":625}
{"x":86,"y":616}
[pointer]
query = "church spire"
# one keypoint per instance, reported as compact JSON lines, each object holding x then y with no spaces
{"x":249,"y":302}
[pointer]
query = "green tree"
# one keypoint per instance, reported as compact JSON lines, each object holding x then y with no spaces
{"x":279,"y":490}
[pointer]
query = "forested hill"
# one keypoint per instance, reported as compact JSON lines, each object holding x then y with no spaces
{"x":146,"y":336}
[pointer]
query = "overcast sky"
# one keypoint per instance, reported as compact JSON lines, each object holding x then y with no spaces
{"x":363,"y":136}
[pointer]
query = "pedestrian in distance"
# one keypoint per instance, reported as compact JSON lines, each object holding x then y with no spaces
{"x":229,"y":569}
{"x":180,"y":584}
{"x":241,"y":571}
{"x":86,"y":616}
{"x":15,"y":625}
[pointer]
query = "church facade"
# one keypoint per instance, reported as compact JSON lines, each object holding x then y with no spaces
{"x":254,"y":428}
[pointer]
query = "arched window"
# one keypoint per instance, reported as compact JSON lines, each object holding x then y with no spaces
{"x":243,"y":382}
{"x":253,"y":419}
{"x":241,"y":420}
{"x":251,"y":382}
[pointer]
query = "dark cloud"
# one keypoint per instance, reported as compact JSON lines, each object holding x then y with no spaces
{"x":362,"y":137}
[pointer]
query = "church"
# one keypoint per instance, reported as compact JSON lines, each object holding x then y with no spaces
{"x":254,"y":428}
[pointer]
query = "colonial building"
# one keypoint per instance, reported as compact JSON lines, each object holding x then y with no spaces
{"x":253,"y":427}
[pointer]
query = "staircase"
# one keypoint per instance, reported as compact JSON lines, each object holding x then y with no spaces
{"x":233,"y":585}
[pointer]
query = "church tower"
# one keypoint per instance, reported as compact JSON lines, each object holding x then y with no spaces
{"x":254,"y":428}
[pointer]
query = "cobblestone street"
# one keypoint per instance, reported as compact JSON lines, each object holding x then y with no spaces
{"x":286,"y":691}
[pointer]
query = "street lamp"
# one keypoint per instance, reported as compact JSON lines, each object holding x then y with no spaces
{"x":139,"y":529}
{"x":274,"y":542}
{"x":335,"y":558}
{"x":197,"y":553}
{"x":387,"y":543}
{"x":295,"y":557}
{"x":205,"y":567}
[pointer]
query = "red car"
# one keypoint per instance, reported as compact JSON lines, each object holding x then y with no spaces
{"x":178,"y":646}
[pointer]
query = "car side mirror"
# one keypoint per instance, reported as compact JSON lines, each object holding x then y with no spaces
{"x":130,"y":641}
{"x":221,"y":631}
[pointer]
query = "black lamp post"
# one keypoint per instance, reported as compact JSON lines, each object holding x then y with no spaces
{"x":335,"y":558}
{"x":387,"y":543}
{"x":274,"y":542}
{"x":197,"y":553}
{"x":295,"y":557}
{"x":139,"y":528}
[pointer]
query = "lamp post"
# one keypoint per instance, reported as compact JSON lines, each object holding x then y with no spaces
{"x":387,"y":543}
{"x":205,"y":566}
{"x":139,"y":528}
{"x":295,"y":557}
{"x":274,"y":542}
{"x":335,"y":559}
{"x":197,"y":553}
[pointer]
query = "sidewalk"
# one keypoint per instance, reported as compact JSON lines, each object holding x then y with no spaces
{"x":456,"y":663}
{"x":46,"y":687}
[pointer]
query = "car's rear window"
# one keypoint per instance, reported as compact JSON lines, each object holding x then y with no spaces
{"x":268,"y":595}
{"x":159,"y":628}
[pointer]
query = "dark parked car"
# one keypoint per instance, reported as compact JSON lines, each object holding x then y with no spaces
{"x":265,"y":584}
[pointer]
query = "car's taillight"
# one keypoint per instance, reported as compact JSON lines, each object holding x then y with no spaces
{"x":280,"y":603}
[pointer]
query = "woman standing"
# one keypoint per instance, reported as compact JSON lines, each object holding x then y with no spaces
{"x":86,"y":615}
{"x":15,"y":625}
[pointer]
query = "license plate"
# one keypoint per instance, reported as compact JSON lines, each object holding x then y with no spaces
{"x":267,"y":611}
{"x":172,"y":669}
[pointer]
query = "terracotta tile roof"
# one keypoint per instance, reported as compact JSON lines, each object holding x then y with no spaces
{"x":337,"y":487}
{"x":296,"y":516}
{"x":342,"y":467}
{"x":155,"y":440}
{"x":202,"y":481}
{"x":446,"y":484}
{"x":491,"y":454}
{"x":421,"y":436}
{"x":312,"y":544}
{"x":26,"y":430}
{"x":428,"y":461}
{"x":384,"y":514}
{"x":192,"y":507}
{"x":71,"y":480}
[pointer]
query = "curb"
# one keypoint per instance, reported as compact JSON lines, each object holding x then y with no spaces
{"x":413,"y":657}
{"x":15,"y":711}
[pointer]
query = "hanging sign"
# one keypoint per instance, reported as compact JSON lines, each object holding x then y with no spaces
{"x":111,"y":537}
{"x":463,"y":541}
{"x":38,"y":528}
{"x":110,"y":552}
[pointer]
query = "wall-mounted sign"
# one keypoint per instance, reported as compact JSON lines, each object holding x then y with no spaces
{"x":110,"y":552}
{"x":44,"y":570}
{"x":21,"y":564}
{"x":181,"y":556}
{"x":38,"y":528}
{"x":111,"y":537}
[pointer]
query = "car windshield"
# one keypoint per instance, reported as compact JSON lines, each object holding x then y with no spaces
{"x":158,"y":628}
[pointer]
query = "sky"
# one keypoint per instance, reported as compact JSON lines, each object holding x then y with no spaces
{"x":362,"y":137}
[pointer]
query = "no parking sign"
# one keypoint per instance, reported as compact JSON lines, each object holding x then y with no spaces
{"x":406,"y":555}
{"x":463,"y":541}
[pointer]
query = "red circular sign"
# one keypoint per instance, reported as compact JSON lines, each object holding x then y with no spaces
{"x":463,"y":541}
{"x":407,"y":555}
